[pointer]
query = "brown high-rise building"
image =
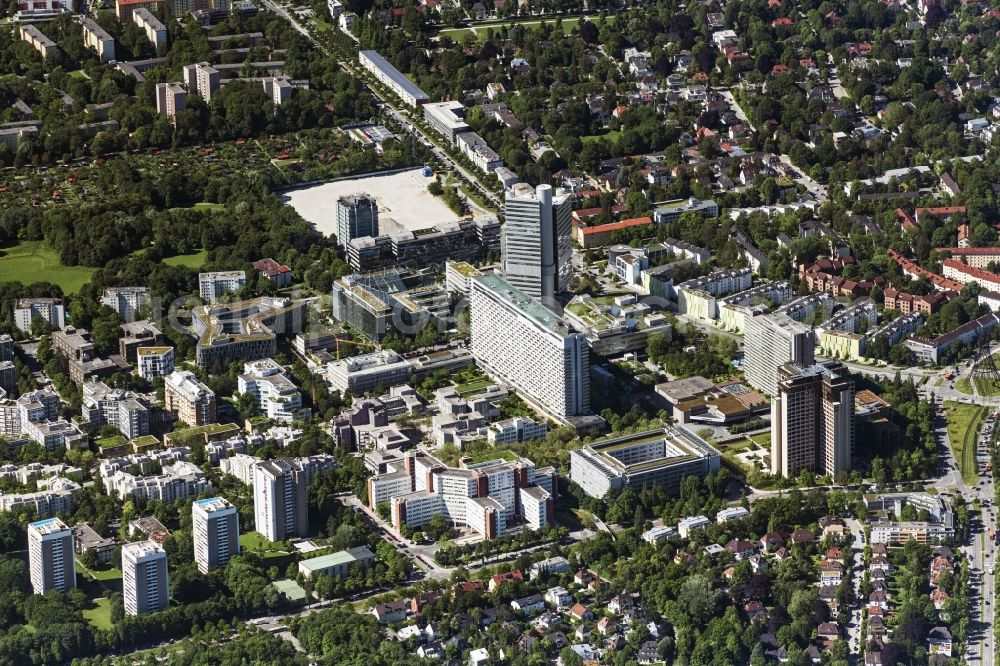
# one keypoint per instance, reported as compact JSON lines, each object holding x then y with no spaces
{"x":812,"y":419}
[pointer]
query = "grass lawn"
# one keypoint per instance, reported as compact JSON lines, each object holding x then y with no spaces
{"x":964,"y":423}
{"x":470,"y":387}
{"x":100,"y":615}
{"x":985,"y":387}
{"x":206,"y":205}
{"x":256,"y":541}
{"x":100,"y":574}
{"x":762,"y":439}
{"x":194,"y":260}
{"x":35,"y":260}
{"x":611,"y":135}
{"x":458,"y":34}
{"x":964,"y":386}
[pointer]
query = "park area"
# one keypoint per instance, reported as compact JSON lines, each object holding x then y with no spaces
{"x":964,"y":424}
{"x":30,"y":261}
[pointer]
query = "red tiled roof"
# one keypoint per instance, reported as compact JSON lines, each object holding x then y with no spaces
{"x":975,"y":273}
{"x":969,"y":251}
{"x":616,"y":226}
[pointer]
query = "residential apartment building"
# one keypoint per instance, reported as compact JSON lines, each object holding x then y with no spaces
{"x":50,"y":556}
{"x":772,"y":341}
{"x":180,"y":480}
{"x":924,"y":304}
{"x":144,"y":577}
{"x":155,"y":31}
{"x":276,"y":396}
{"x":216,"y":527}
{"x":956,"y":270}
{"x":188,"y":399}
{"x":31,"y":34}
{"x":376,"y":304}
{"x":212,"y":286}
{"x":126,"y":301}
{"x":536,"y":244}
{"x":279,"y":274}
{"x":118,"y":408}
{"x":56,"y":497}
{"x":49,"y":309}
{"x":135,"y":334}
{"x":154,"y":362}
{"x":279,"y":499}
{"x":97,"y":39}
{"x":670,"y":211}
{"x":171,"y":98}
{"x":357,"y":217}
{"x":203,"y":79}
{"x":930,"y":350}
{"x":812,"y":420}
{"x":392,"y":78}
{"x":486,"y":496}
{"x":520,"y":342}
{"x":517,"y":429}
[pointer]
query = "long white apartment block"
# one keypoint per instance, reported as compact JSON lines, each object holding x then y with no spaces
{"x":392,"y":78}
{"x":525,"y":345}
{"x":155,"y":31}
{"x":97,"y":39}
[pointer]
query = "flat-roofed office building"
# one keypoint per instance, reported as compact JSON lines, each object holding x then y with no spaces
{"x":657,"y":457}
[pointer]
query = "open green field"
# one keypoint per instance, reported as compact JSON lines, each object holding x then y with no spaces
{"x":482,"y":31}
{"x":100,"y":615}
{"x":31,"y":261}
{"x":611,"y":135}
{"x":762,"y":439}
{"x":194,"y":260}
{"x":964,"y":424}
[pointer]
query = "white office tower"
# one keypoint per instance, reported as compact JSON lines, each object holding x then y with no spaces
{"x":537,"y":244}
{"x":770,"y":342}
{"x":216,"y":525}
{"x":279,"y":499}
{"x":144,"y":577}
{"x":518,"y":341}
{"x":50,"y":556}
{"x":812,"y":420}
